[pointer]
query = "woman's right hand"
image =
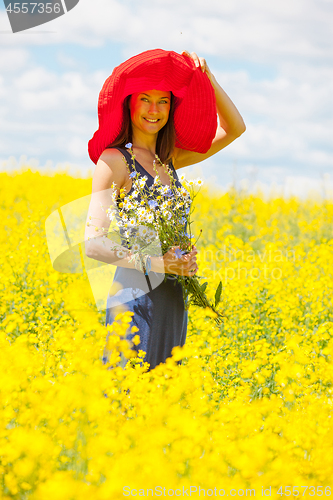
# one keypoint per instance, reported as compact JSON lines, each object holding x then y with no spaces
{"x":185,"y":265}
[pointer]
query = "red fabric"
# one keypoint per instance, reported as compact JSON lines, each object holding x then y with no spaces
{"x":195,"y":115}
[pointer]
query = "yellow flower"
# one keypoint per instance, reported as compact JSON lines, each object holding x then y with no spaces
{"x":251,"y":401}
{"x":136,"y":339}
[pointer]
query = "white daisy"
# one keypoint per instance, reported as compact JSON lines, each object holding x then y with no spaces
{"x":152,"y":234}
{"x":132,"y":222}
{"x":184,"y":193}
{"x":135,"y":247}
{"x":143,"y":230}
{"x":141,"y":211}
{"x":166,"y":214}
{"x":121,"y":254}
{"x":143,"y":181}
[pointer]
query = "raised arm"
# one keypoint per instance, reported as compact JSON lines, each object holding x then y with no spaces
{"x":230,"y":127}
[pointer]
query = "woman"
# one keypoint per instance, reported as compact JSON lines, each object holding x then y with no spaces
{"x":166,"y":104}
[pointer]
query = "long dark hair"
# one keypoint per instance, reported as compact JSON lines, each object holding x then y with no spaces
{"x":166,"y":138}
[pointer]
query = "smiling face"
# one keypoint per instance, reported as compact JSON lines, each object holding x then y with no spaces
{"x":149,"y":110}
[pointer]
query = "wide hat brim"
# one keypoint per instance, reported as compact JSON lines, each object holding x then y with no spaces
{"x":195,"y":116}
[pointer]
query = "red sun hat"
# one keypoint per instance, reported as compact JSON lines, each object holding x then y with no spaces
{"x":195,"y":116}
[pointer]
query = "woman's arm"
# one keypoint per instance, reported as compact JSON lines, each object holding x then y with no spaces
{"x":110,"y":170}
{"x":230,"y":127}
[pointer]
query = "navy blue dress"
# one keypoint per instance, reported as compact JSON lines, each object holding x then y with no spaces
{"x":159,"y":310}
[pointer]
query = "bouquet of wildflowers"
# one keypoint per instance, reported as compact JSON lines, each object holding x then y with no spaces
{"x":153,"y":219}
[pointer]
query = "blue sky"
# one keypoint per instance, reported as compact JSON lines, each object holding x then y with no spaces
{"x":274,"y":60}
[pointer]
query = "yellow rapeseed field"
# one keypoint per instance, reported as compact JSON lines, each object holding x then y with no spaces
{"x":249,"y":410}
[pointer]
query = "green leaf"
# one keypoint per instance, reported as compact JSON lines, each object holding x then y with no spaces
{"x":204,"y":286}
{"x":218,"y":293}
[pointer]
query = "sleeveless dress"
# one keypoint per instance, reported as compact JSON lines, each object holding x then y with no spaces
{"x":159,"y":312}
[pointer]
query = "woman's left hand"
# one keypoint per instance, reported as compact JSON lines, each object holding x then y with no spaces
{"x":200,"y":62}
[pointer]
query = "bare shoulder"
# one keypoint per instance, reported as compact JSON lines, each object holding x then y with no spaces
{"x":114,"y":159}
{"x":110,"y":168}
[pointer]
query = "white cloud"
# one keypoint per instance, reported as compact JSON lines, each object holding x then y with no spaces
{"x":41,"y":90}
{"x":298,"y":92}
{"x":287,"y":109}
{"x":34,"y":80}
{"x":289,"y":116}
{"x":253,"y":29}
{"x":300,"y":186}
{"x":67,"y":61}
{"x":77,"y":147}
{"x":15,"y":59}
{"x":281,"y":125}
{"x":51,"y":114}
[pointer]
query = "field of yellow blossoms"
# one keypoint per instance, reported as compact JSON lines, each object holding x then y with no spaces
{"x":247,"y":413}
